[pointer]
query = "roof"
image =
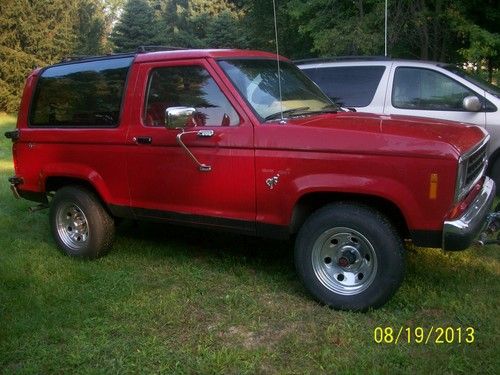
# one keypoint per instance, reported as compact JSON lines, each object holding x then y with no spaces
{"x":347,"y":59}
{"x":170,"y":53}
{"x":204,"y":53}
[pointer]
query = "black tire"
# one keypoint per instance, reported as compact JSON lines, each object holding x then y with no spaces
{"x":349,"y":257}
{"x":495,"y":175}
{"x":79,"y":223}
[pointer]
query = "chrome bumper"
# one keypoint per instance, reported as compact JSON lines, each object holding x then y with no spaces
{"x":459,"y":234}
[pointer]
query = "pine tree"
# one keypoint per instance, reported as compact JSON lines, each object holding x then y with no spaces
{"x":137,"y":26}
{"x":223,"y":31}
{"x":34,"y":33}
{"x":90,"y":28}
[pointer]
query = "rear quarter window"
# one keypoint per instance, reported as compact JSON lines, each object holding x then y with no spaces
{"x":86,"y":94}
{"x":348,"y":86}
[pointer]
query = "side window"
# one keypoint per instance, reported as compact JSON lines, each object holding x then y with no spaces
{"x":348,"y":86}
{"x":187,"y":86}
{"x":425,"y":89}
{"x":86,"y":94}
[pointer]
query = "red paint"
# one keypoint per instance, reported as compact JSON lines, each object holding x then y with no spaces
{"x":359,"y":154}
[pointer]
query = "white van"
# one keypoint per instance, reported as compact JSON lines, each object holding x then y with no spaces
{"x":415,"y":88}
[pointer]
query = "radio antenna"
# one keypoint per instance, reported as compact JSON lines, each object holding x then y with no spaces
{"x":278,"y":61}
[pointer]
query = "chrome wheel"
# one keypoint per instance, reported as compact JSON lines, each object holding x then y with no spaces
{"x":344,"y":261}
{"x":72,"y":226}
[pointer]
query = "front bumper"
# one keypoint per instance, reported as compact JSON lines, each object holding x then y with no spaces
{"x":458,"y":234}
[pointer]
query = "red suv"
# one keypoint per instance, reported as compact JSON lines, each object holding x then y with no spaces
{"x":217,"y":138}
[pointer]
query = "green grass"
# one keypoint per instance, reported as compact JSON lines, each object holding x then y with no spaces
{"x":174,"y":300}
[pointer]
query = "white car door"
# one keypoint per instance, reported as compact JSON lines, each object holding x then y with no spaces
{"x":428,"y":91}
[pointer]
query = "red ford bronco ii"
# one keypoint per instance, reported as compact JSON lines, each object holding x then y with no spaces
{"x":218,"y":138}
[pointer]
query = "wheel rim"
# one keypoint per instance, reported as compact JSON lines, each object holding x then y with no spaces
{"x":344,"y":261}
{"x":72,"y":226}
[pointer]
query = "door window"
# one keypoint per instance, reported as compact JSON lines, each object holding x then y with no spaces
{"x":187,"y":86}
{"x":425,"y":89}
{"x":348,"y":86}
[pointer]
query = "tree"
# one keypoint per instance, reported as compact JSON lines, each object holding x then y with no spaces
{"x":258,"y":28}
{"x":479,"y":32}
{"x":341,"y":28}
{"x":137,"y":26}
{"x":34,"y":33}
{"x":90,"y":28}
{"x":224,"y":31}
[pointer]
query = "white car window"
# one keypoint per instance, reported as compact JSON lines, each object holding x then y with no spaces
{"x":425,"y":89}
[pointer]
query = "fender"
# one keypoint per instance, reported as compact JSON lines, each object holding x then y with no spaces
{"x":77,"y":171}
{"x":387,"y":189}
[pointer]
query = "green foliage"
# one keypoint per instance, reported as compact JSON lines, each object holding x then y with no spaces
{"x":40,"y":32}
{"x":342,"y":28}
{"x":37,"y":33}
{"x":90,"y":28}
{"x":217,"y":35}
{"x":137,"y":26}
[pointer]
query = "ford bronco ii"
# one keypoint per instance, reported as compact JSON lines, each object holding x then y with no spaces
{"x":219,"y":138}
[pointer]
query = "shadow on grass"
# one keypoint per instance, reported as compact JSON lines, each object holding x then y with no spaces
{"x":427,"y":269}
{"x":210,"y":240}
{"x":162,"y":241}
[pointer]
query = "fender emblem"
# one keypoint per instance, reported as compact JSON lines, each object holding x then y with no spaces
{"x":272,"y":181}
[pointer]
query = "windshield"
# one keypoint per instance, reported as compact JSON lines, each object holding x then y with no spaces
{"x":488,"y":87}
{"x":257,"y":82}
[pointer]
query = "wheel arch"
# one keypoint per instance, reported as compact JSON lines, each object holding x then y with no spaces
{"x":310,"y":202}
{"x":54,"y":183}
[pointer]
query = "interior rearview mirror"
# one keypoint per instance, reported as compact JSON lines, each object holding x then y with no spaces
{"x":177,"y":117}
{"x":472,"y":103}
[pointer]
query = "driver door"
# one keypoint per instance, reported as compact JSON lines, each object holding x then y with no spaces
{"x":165,"y":181}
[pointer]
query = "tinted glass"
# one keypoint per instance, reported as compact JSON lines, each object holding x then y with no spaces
{"x":257,"y":81}
{"x":348,"y":86}
{"x":426,"y":89}
{"x":83,"y":94}
{"x":478,"y":81}
{"x":187,"y":86}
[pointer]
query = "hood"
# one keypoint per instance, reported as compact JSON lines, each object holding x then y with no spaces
{"x":363,"y":133}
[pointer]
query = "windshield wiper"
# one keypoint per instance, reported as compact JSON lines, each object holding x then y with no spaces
{"x":285,"y":112}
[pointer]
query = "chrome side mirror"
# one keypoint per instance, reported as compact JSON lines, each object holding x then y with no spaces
{"x":472,"y":104}
{"x":177,"y":117}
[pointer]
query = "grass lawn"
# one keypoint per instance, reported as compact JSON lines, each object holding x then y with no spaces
{"x":174,"y":300}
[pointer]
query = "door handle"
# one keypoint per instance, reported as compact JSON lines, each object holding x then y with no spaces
{"x":143,"y":140}
{"x":205,"y":133}
{"x":202,"y":167}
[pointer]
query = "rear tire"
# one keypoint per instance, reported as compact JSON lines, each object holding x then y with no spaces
{"x":80,"y":225}
{"x":349,"y":257}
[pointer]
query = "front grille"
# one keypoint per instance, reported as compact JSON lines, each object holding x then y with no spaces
{"x":476,"y":164}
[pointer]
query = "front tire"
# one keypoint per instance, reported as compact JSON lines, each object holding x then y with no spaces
{"x":80,"y":225}
{"x":349,"y":257}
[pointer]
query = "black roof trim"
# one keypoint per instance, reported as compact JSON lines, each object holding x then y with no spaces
{"x":140,"y":49}
{"x":76,"y":59}
{"x":342,"y":58}
{"x":145,"y":49}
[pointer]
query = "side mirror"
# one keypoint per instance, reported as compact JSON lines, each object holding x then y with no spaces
{"x":177,"y":117}
{"x":472,"y":104}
